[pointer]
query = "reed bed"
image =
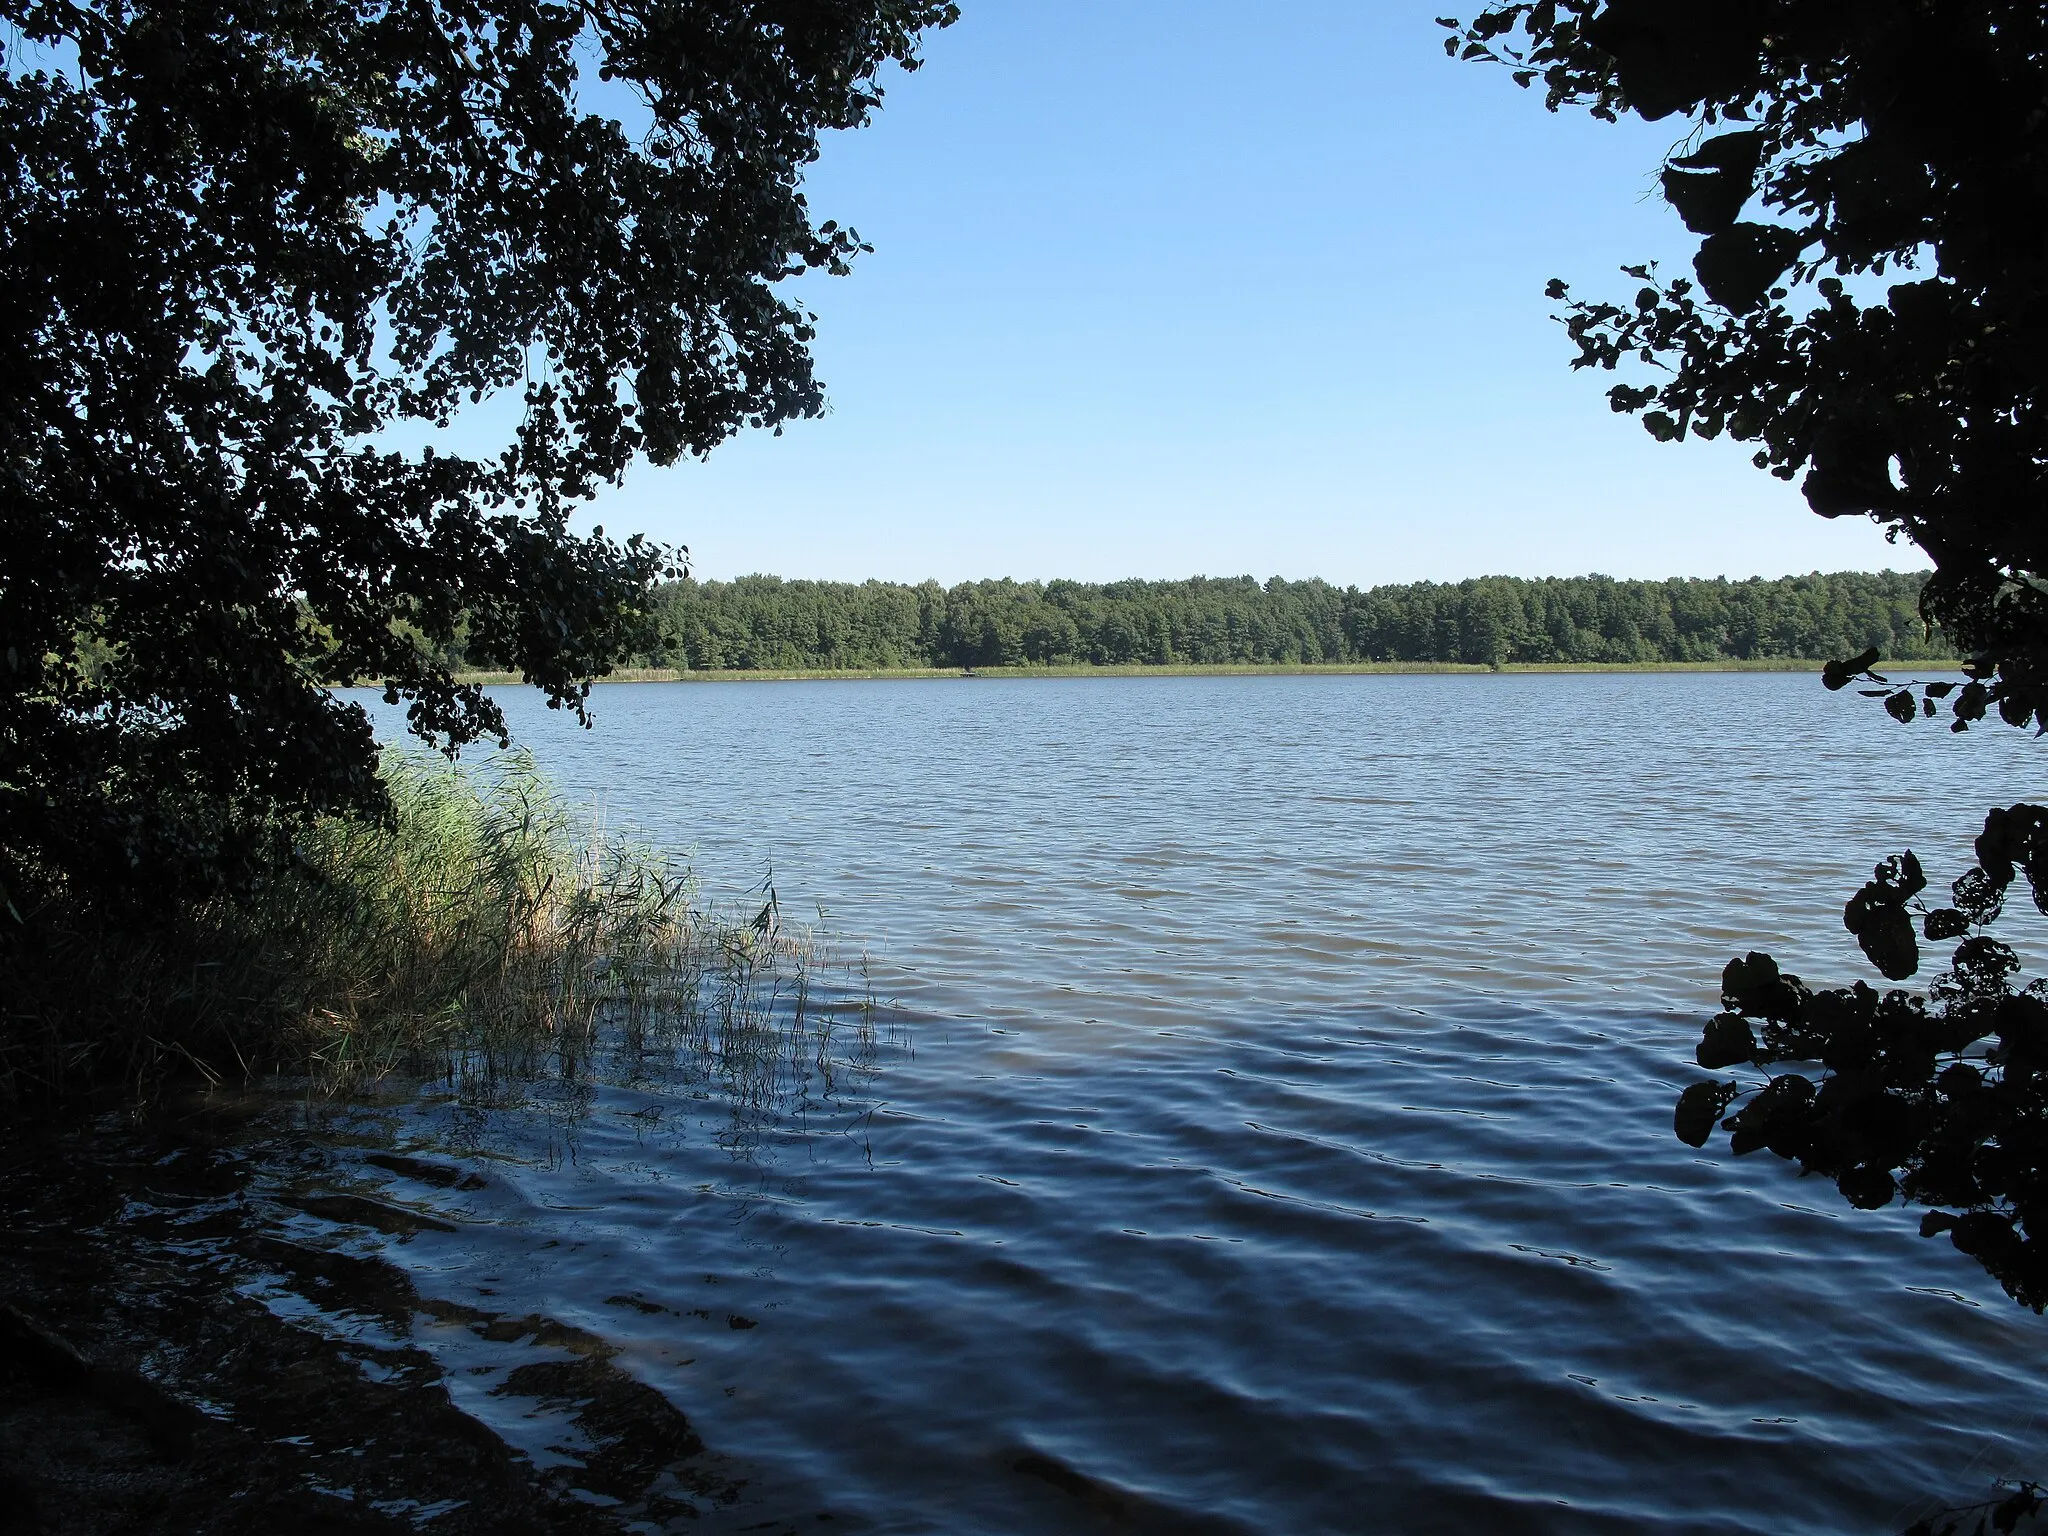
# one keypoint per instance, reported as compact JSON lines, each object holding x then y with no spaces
{"x":487,"y":932}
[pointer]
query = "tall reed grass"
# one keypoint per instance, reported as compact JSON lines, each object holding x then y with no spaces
{"x":483,"y":929}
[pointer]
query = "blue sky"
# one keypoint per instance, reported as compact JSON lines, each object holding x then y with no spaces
{"x":1166,"y":287}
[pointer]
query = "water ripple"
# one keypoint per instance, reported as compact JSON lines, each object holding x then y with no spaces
{"x":1286,"y":1141}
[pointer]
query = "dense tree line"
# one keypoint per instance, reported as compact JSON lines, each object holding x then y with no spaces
{"x":764,"y":622}
{"x":1869,"y":189}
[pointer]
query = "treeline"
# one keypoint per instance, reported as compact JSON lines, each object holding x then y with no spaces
{"x":762,"y":622}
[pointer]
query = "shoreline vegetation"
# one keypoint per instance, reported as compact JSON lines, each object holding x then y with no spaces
{"x":485,"y":928}
{"x":1191,"y":669}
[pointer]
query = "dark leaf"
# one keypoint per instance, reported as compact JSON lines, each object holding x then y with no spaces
{"x":1747,"y":978}
{"x":1944,"y":923}
{"x":1698,"y":1108}
{"x":1885,"y":935}
{"x":1707,"y":200}
{"x":1726,"y":1041}
{"x":1867,"y":1188}
{"x":1978,"y":897}
{"x":1739,"y":265}
{"x":1837,"y":675}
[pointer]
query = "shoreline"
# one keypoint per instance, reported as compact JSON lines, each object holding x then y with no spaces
{"x":1195,"y":669}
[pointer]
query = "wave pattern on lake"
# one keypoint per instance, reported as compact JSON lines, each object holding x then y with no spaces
{"x":1275,"y":1132}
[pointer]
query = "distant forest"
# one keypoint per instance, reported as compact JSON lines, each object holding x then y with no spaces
{"x":764,"y":622}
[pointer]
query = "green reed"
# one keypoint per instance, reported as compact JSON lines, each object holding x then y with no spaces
{"x":485,"y":931}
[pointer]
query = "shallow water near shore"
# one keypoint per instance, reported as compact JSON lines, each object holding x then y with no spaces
{"x":1267,"y":1127}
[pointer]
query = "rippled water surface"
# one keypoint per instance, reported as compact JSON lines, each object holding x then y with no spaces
{"x":1276,"y":1130}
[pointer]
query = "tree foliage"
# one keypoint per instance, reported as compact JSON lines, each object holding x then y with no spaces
{"x":241,"y":243}
{"x":1869,"y":307}
{"x":761,"y":621}
{"x":1940,"y":1099}
{"x":1869,"y":297}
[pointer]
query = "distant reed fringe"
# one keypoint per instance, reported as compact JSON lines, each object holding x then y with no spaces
{"x":484,"y":927}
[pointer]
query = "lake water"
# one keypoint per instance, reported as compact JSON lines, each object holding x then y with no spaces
{"x":1275,"y":1134}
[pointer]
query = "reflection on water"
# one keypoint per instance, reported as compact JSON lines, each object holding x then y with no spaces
{"x":289,"y":1226}
{"x":1285,"y":1143}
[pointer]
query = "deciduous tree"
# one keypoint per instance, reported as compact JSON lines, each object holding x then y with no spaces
{"x":241,"y":242}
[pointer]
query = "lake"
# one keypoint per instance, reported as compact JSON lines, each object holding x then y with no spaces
{"x":1271,"y":1130}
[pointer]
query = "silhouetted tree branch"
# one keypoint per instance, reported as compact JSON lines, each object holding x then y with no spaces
{"x":1938,"y":1098}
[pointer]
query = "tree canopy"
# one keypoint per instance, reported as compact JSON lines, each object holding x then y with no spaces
{"x":242,"y":241}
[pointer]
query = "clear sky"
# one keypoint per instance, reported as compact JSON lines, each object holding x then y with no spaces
{"x":1168,"y":287}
